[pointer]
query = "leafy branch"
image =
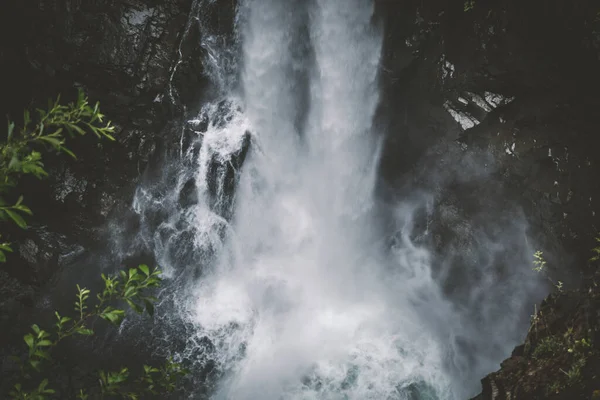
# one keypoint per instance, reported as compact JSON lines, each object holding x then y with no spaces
{"x":596,"y":251}
{"x":468,"y":5}
{"x":539,"y":265}
{"x":130,"y":287}
{"x":49,"y":129}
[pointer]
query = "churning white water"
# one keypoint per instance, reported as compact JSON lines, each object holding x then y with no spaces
{"x":301,"y":299}
{"x":303,"y":310}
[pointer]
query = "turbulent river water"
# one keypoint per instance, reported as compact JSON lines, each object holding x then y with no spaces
{"x":300,"y":295}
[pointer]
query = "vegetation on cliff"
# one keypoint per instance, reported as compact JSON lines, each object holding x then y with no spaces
{"x":560,"y":358}
{"x":22,"y":154}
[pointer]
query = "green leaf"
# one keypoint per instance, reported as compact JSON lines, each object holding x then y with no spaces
{"x":68,"y":152}
{"x":149,"y":307}
{"x":26,"y":118}
{"x":6,"y":247}
{"x":144,"y":268}
{"x":42,"y":354}
{"x":54,"y":142}
{"x":42,"y":334}
{"x":113,"y":316}
{"x":23,"y":208}
{"x":43,"y":385}
{"x":29,"y":340}
{"x":130,"y":292}
{"x":76,"y":128}
{"x":136,"y":307}
{"x":11,"y":127}
{"x":2,"y":256}
{"x":109,"y":136}
{"x":85,"y":332}
{"x":14,"y":164}
{"x":16,"y":218}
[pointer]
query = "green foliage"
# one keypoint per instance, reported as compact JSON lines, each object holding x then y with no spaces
{"x":539,"y":264}
{"x":579,"y":351}
{"x":548,"y":347}
{"x":574,"y":373}
{"x":128,"y":287}
{"x":555,"y":388}
{"x":21,"y":153}
{"x":596,"y":251}
{"x":469,"y":5}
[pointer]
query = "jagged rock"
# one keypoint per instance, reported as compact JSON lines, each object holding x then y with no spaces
{"x":560,"y":358}
{"x":222,"y":178}
{"x":189,"y":194}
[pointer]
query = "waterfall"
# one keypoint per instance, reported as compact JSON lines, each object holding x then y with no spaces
{"x":298,"y":296}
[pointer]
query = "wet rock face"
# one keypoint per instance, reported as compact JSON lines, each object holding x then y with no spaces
{"x":121,"y":51}
{"x":516,"y":81}
{"x":222,"y":179}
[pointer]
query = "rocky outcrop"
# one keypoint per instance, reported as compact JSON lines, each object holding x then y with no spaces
{"x":514,"y":80}
{"x":560,"y":359}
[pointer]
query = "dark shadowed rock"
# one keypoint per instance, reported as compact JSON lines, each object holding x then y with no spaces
{"x":560,"y":358}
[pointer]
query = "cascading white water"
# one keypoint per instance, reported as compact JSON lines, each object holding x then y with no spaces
{"x":301,"y":299}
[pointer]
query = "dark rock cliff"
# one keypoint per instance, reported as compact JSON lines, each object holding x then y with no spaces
{"x":560,"y":358}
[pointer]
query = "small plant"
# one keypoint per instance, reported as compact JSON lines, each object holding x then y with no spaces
{"x":555,"y":388}
{"x":596,"y":251}
{"x":128,"y":286}
{"x":539,"y":264}
{"x":574,"y":373}
{"x":469,"y":5}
